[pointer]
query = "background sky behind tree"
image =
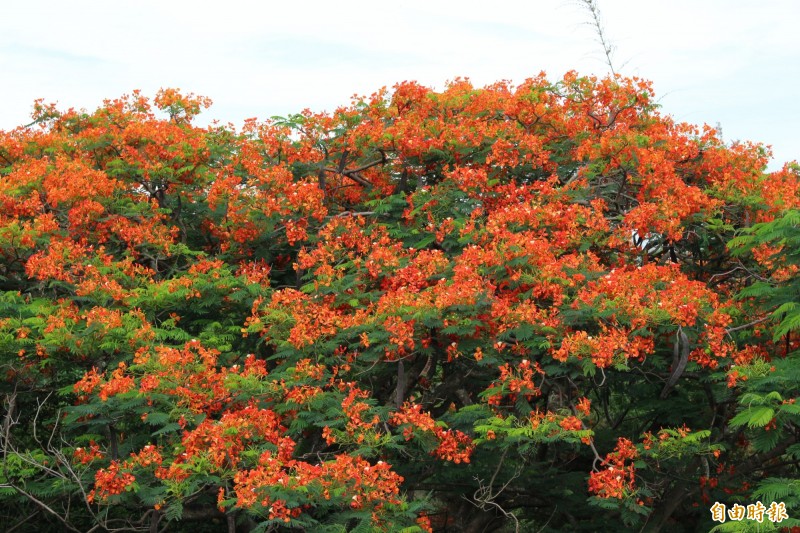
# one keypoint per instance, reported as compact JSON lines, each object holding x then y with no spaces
{"x":732,"y":62}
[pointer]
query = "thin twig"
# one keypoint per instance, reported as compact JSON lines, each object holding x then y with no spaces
{"x":608,"y":48}
{"x":748,"y":325}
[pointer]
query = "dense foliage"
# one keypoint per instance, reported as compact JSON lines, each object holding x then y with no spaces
{"x":544,"y":307}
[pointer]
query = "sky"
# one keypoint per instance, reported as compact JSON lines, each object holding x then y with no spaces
{"x":732,"y":63}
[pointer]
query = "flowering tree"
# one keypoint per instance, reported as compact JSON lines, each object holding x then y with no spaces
{"x":535,"y":307}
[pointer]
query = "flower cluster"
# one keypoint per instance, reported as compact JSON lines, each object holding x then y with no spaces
{"x":110,"y":482}
{"x":453,"y":445}
{"x":616,"y":479}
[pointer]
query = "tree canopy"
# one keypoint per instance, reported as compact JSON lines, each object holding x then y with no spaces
{"x":534,"y":307}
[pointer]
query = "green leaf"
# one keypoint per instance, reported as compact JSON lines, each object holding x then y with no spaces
{"x":754,"y":417}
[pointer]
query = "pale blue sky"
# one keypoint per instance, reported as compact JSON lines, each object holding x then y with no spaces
{"x":732,"y":62}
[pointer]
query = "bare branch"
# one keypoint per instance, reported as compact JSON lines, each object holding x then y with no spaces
{"x":596,"y":21}
{"x":353,"y":175}
{"x":748,"y":325}
{"x":44,"y":507}
{"x":485,"y":497}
